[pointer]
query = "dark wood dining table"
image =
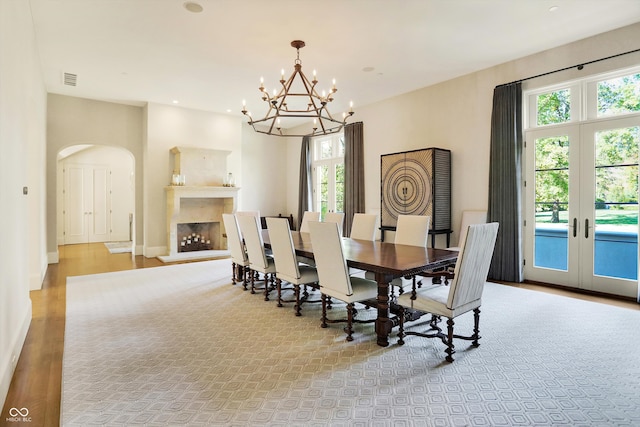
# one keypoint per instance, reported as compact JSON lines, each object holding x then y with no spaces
{"x":387,"y":261}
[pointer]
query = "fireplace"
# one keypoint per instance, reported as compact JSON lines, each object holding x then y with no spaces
{"x":198,"y":236}
{"x":194,"y":211}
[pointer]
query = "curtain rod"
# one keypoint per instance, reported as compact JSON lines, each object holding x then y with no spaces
{"x":579,"y":67}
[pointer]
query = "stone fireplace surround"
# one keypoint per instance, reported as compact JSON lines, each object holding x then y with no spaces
{"x":204,"y":199}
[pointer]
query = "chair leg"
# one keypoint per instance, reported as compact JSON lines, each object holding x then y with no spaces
{"x":401,"y":325}
{"x":245,"y":276}
{"x":324,"y":311}
{"x":476,"y":329}
{"x":296,"y":290}
{"x":450,"y":347}
{"x":279,"y":289}
{"x":349,"y":328}
{"x":253,"y":280}
{"x":267,"y":279}
{"x":234,"y":267}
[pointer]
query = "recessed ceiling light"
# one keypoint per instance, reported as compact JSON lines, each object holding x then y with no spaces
{"x":192,"y":6}
{"x":175,"y":101}
{"x":554,"y":8}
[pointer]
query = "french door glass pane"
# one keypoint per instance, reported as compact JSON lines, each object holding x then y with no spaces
{"x":552,"y":202}
{"x":616,"y":203}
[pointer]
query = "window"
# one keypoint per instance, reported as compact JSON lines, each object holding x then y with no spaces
{"x":328,"y":174}
{"x":601,"y":97}
{"x":553,"y":107}
{"x":618,"y":95}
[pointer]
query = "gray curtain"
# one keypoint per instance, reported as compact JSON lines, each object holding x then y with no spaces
{"x":505,"y":182}
{"x":305,"y":193}
{"x":353,"y":173}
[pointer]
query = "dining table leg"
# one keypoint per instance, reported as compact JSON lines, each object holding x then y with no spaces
{"x":383,"y":322}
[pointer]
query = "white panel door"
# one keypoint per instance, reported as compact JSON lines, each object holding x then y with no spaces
{"x":99,"y":217}
{"x":76,"y":205}
{"x":122,"y":198}
{"x":86,"y":210}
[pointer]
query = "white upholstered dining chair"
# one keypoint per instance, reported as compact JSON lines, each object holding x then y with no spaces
{"x":239,"y":258}
{"x":306,"y":218}
{"x":364,"y":226}
{"x":258,"y":259}
{"x":412,"y":230}
{"x":461,"y":296}
{"x":334,"y":276}
{"x":288,"y":268}
{"x":337,"y":217}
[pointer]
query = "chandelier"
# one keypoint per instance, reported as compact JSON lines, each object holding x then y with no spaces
{"x":295,"y":102}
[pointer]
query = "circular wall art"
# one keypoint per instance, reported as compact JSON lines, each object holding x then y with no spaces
{"x":406,"y":188}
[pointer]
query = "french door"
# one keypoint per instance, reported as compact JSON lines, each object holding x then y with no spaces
{"x":581,"y":192}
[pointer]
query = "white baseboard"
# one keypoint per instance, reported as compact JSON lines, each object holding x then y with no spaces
{"x":53,"y":257}
{"x":153,"y":251}
{"x":9,"y":357}
{"x":35,"y":280}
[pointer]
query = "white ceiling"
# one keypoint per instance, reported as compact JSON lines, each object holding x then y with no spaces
{"x":137,"y":51}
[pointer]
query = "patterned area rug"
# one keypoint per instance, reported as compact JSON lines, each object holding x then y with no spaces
{"x":179,"y":345}
{"x":118,"y":247}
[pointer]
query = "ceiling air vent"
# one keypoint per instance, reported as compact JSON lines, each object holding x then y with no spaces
{"x":69,"y":79}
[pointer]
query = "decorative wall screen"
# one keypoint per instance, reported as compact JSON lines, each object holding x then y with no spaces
{"x":416,"y":183}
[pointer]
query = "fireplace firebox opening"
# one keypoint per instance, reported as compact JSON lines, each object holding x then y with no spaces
{"x":198,"y":236}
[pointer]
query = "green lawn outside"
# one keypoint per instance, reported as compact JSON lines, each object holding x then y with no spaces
{"x":603,"y":216}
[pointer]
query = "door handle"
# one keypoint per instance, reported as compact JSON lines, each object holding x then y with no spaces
{"x":575,"y":227}
{"x":586,"y":228}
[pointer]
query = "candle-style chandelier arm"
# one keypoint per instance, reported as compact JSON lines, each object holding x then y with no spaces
{"x":283,"y":105}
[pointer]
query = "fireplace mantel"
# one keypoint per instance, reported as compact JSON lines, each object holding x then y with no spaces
{"x":187,"y":204}
{"x":186,"y":191}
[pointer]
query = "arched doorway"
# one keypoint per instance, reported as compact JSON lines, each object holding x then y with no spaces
{"x":96,"y":195}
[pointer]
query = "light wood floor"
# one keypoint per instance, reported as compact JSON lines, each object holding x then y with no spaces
{"x":36,"y":384}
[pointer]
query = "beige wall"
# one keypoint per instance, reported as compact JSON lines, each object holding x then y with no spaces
{"x":23,"y":259}
{"x":265,"y":177}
